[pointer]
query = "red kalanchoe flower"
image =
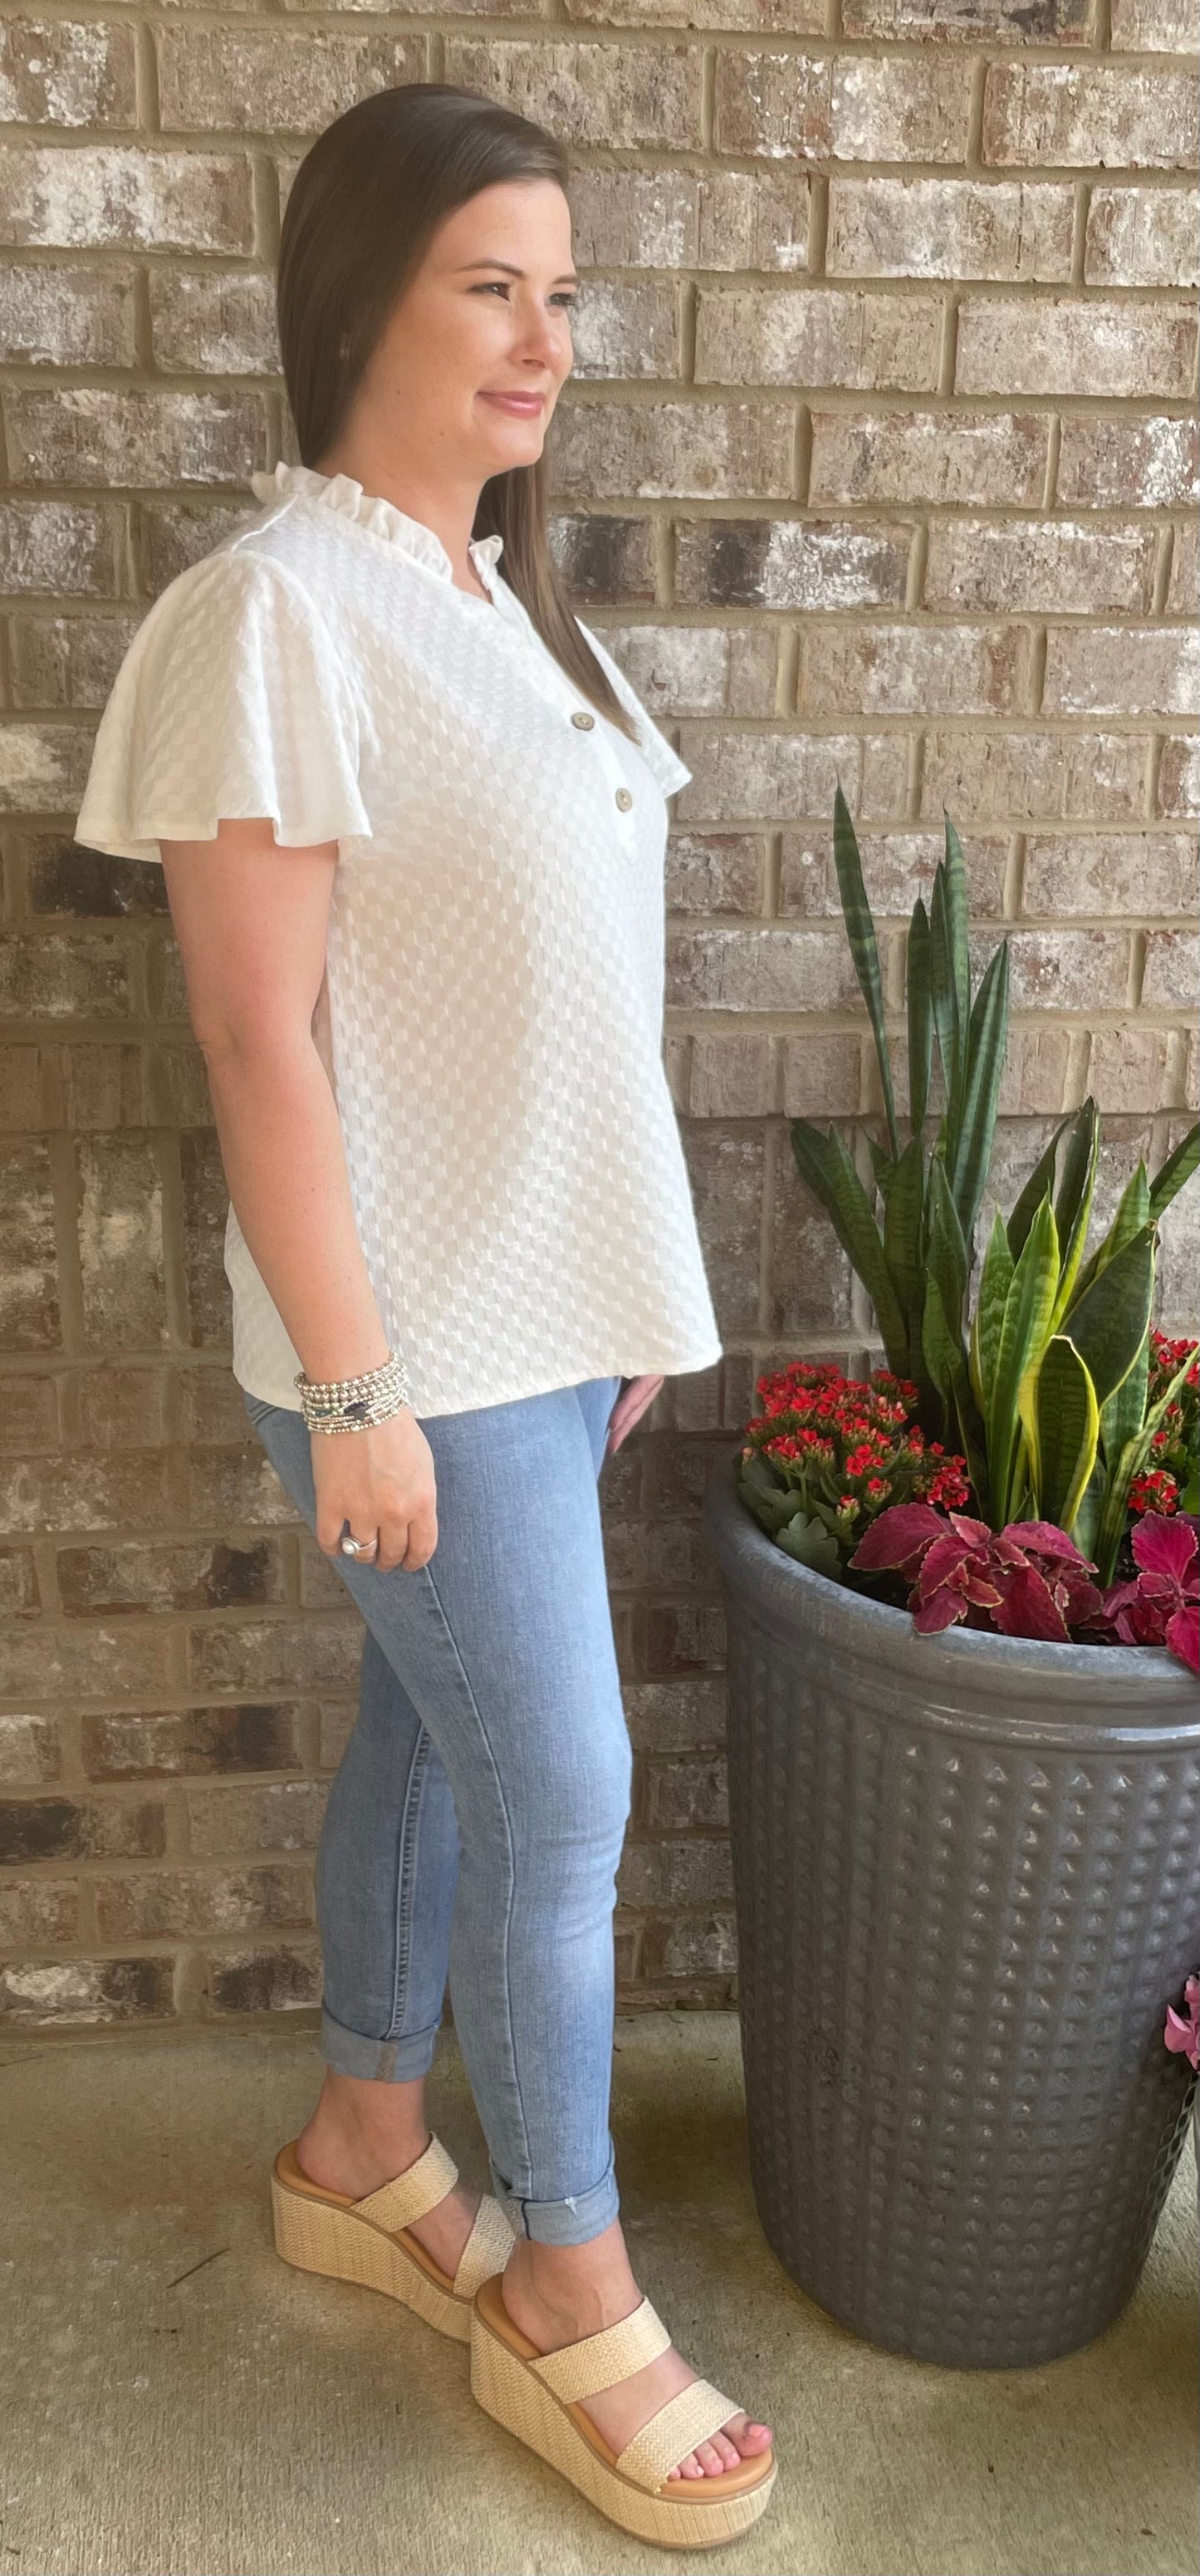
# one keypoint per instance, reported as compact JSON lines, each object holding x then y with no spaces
{"x":1175,"y":1443}
{"x":840,"y":1449}
{"x":1157,"y":1491}
{"x":950,"y":1485}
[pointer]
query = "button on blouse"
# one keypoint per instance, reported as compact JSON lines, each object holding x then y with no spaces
{"x":491,"y":1014}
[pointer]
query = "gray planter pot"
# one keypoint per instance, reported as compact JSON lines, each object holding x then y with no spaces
{"x":967,"y":1874}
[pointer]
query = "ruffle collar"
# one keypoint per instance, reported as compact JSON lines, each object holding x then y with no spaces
{"x":368,"y":510}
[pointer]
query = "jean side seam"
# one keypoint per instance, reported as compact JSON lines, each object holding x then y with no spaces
{"x":512,"y":1871}
{"x":410,"y":1821}
{"x":602,"y":1462}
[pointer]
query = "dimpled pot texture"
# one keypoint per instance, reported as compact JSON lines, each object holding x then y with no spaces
{"x":967,"y":1874}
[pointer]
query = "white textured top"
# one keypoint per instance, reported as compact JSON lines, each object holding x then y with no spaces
{"x":491,"y":1014}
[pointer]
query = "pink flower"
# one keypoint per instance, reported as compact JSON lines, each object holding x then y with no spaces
{"x":1183,"y":2034}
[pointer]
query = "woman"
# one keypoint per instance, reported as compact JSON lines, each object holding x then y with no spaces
{"x":411,"y":816}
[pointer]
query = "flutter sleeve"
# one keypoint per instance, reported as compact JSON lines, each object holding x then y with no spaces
{"x":670,"y":771}
{"x":231,"y":701}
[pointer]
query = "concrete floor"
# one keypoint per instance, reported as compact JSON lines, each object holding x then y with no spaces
{"x":179,"y":2403}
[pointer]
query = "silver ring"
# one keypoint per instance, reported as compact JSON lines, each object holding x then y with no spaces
{"x":356,"y":1546}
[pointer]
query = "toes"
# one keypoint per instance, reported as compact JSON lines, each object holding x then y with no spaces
{"x":738,"y":2440}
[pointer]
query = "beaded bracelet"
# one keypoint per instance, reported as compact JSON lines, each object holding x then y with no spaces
{"x":354,"y":1403}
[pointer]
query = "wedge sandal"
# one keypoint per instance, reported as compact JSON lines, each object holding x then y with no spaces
{"x":535,"y":2396}
{"x":368,"y":2241}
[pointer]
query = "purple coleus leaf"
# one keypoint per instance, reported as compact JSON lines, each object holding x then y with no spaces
{"x":943,"y":1611}
{"x":945,"y":1562}
{"x":1079,"y":1599}
{"x":1182,"y":1635}
{"x":1042,"y":1538}
{"x":978,"y":1589}
{"x":1182,"y":2033}
{"x":1030,"y":1580}
{"x":898,"y":1538}
{"x":1165,"y":1547}
{"x":976,"y":1533}
{"x":1161,"y":1607}
{"x":1029,"y":1608}
{"x":1140,"y":1622}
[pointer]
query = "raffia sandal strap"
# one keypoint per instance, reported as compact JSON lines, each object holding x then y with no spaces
{"x":487,"y":2248}
{"x":411,"y":2195}
{"x":600,"y":2360}
{"x":697,"y":2412}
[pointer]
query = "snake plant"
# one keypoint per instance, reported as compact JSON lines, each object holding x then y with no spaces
{"x":1044,"y":1388}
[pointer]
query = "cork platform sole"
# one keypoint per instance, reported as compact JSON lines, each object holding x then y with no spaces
{"x":630,"y":2488}
{"x":325,"y":2231}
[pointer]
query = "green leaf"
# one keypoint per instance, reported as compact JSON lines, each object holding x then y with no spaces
{"x":957,"y":915}
{"x":864,"y":947}
{"x":987,"y":1044}
{"x":954,"y":911}
{"x":1123,"y":1412}
{"x":762,"y":1493}
{"x":1019,"y":1506}
{"x":1115,"y":1508}
{"x":1024,"y":1331}
{"x":920,"y":1018}
{"x":811,"y":1544}
{"x":935,"y":1341}
{"x":942,"y":998}
{"x":1171,"y":1175}
{"x":1133,"y":1212}
{"x":994,"y":1284}
{"x":946,"y":1254}
{"x":862,"y":1242}
{"x":1077,"y":1166}
{"x":1072,"y":1208}
{"x":946,"y":1364}
{"x":903,"y":1226}
{"x":823,"y":1162}
{"x":1087,"y":1518}
{"x":1067,"y":1432}
{"x":1129,"y":1464}
{"x":883,"y":1168}
{"x":1040,"y":1180}
{"x":1108,"y":1323}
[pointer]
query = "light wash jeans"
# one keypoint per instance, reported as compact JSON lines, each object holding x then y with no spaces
{"x":476,"y":1819}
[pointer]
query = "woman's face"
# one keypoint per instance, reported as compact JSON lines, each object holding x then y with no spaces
{"x":487,"y":316}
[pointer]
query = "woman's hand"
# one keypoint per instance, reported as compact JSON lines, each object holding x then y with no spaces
{"x":636,"y":1396}
{"x":382,"y":1482}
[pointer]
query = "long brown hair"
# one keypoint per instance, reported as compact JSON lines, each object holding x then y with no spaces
{"x":364,"y":204}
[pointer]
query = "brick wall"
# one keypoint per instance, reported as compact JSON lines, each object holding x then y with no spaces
{"x":879,"y":456}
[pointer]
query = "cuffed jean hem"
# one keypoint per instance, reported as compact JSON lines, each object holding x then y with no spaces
{"x":561,"y":2222}
{"x":385,"y":2061}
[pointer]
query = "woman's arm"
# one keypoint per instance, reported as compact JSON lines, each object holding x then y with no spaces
{"x":252,"y":923}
